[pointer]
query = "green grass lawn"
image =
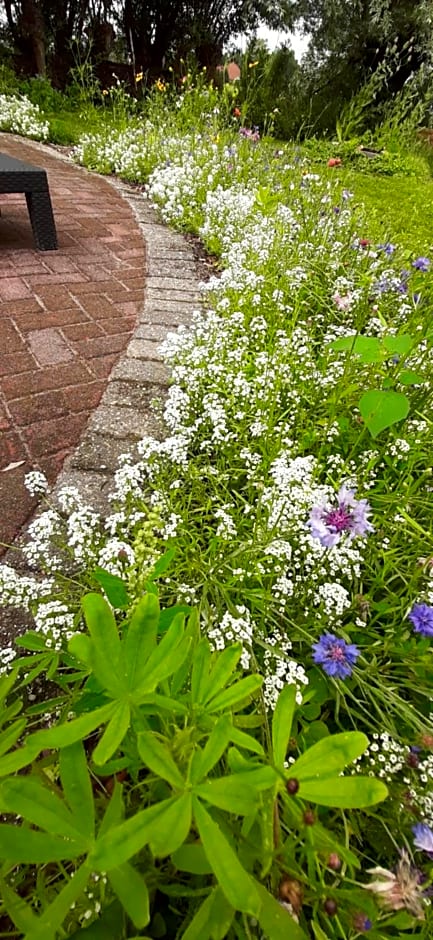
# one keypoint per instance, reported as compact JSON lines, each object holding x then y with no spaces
{"x":400,"y":208}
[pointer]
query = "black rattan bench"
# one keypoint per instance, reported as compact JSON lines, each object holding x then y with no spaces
{"x":19,"y":177}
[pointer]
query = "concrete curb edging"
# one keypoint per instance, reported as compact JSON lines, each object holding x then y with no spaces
{"x":125,"y":413}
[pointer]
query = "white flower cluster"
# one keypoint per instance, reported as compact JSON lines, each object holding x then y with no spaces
{"x":385,"y":757}
{"x":280,"y":669}
{"x":19,"y":116}
{"x":55,"y":622}
{"x":21,"y":591}
{"x":234,"y":628}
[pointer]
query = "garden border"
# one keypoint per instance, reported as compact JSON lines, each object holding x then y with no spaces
{"x":125,"y":414}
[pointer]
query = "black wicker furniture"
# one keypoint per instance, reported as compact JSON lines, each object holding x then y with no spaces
{"x":19,"y":177}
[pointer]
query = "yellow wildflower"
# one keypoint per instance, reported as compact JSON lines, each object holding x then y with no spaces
{"x":138,"y":77}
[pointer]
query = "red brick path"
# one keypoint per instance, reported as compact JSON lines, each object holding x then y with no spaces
{"x":65,"y":316}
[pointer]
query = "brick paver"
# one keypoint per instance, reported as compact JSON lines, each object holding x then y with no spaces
{"x":65,"y":318}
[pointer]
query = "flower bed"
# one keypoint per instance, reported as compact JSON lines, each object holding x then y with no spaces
{"x":291,"y":504}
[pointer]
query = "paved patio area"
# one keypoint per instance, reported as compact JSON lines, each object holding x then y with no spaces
{"x":65,"y":317}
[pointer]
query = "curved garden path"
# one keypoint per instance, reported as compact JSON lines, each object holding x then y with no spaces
{"x":79,"y":335}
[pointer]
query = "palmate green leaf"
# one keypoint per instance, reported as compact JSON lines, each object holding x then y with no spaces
{"x":213,"y":919}
{"x":157,"y":757}
{"x":20,"y":845}
{"x":114,"y":812}
{"x":155,"y":703}
{"x":54,"y":915}
{"x":200,"y":670}
{"x":235,"y":693}
{"x":238,"y":886}
{"x":18,"y":759}
{"x":343,"y":792}
{"x":106,"y":648}
{"x":29,"y":798}
{"x":167,"y":615}
{"x":246,"y":741}
{"x":380,"y":410}
{"x":77,"y":787}
{"x":214,"y":749}
{"x":200,"y":926}
{"x":120,"y":843}
{"x":282,"y":723}
{"x":238,"y":793}
{"x":71,"y":731}
{"x":114,"y":588}
{"x":113,"y":734}
{"x":274,"y":920}
{"x":174,"y":826}
{"x":131,"y":889}
{"x":10,"y":736}
{"x":19,"y":912}
{"x":181,"y":677}
{"x":329,"y":755}
{"x":166,"y":658}
{"x":191,"y":857}
{"x":220,"y":673}
{"x":140,"y":640}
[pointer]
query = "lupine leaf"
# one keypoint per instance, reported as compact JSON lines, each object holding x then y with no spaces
{"x":235,"y":693}
{"x":157,"y":757}
{"x":237,"y":885}
{"x":131,"y":889}
{"x":77,"y":787}
{"x":282,"y":723}
{"x":174,"y":826}
{"x":21,"y":845}
{"x":29,"y":798}
{"x":140,"y":639}
{"x":113,"y":734}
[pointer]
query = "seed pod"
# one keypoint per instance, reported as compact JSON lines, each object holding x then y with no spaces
{"x":290,"y":891}
{"x":292,"y":786}
{"x":334,"y":861}
{"x":309,"y":817}
{"x":331,"y":907}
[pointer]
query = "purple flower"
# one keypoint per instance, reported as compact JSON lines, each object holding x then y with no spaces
{"x":362,"y":923}
{"x":421,"y":264}
{"x":335,"y":656}
{"x":349,"y":517}
{"x":423,"y":838}
{"x":388,"y":248}
{"x":421,"y":616}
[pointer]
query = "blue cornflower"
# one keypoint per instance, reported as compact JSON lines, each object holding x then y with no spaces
{"x":335,"y":655}
{"x":421,"y":264}
{"x":349,"y":517}
{"x":388,"y":248}
{"x":421,"y":616}
{"x":423,"y":838}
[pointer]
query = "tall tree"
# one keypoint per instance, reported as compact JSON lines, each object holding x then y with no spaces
{"x":160,"y":31}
